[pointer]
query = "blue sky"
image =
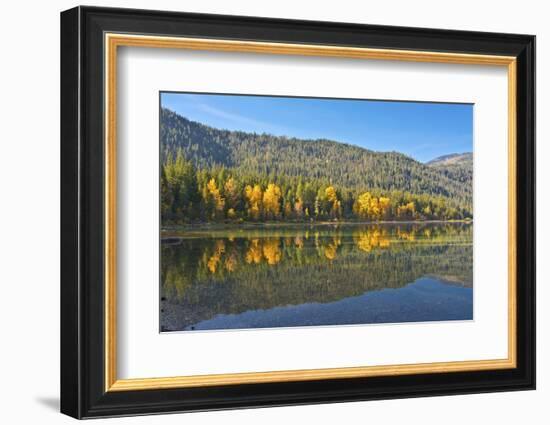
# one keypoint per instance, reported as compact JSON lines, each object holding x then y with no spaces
{"x":421,"y":130}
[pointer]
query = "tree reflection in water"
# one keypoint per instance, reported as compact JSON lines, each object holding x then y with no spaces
{"x":207,"y":273}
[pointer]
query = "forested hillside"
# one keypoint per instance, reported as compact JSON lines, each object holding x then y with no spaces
{"x":457,"y":166}
{"x":212,"y":174}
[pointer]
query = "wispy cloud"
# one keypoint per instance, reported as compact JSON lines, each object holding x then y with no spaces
{"x":198,"y":108}
{"x":243,"y":122}
{"x":236,"y":118}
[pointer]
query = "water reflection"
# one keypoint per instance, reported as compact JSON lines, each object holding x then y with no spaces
{"x":209,"y":275}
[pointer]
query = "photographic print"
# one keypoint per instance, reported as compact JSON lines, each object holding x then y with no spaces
{"x":300,"y":195}
{"x":290,"y":211}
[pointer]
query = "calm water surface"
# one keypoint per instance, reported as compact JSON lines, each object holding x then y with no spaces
{"x":302,"y":275}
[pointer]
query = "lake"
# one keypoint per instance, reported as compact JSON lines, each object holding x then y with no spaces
{"x":266,"y":276}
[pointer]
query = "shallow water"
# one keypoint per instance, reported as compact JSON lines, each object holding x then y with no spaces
{"x":311,"y":275}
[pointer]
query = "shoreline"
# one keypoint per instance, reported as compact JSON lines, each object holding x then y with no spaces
{"x":275,"y":224}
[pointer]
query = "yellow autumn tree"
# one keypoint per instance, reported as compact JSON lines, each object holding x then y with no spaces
{"x":331,"y":195}
{"x":406,"y":211}
{"x":335,"y":205}
{"x":374,"y":209}
{"x":215,"y":196}
{"x":362,"y":205}
{"x":253,"y":197}
{"x":272,"y":201}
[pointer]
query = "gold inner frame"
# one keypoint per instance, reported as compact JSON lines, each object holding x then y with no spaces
{"x":113,"y":41}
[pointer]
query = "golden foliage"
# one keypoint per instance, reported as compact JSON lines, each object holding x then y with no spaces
{"x":271,"y":200}
{"x":254,"y":253}
{"x":272,"y":251}
{"x":215,"y":195}
{"x":253,"y":196}
{"x":367,"y":240}
{"x":332,"y":197}
{"x":215,"y":259}
{"x":406,"y":211}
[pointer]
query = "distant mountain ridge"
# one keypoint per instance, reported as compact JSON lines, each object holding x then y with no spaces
{"x":456,"y":166}
{"x":344,"y":165}
{"x":452,"y":158}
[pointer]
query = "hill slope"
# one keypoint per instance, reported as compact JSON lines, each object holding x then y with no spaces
{"x":340,"y":164}
{"x":456,"y":166}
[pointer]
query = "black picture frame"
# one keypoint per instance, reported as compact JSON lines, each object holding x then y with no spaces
{"x":83,"y":392}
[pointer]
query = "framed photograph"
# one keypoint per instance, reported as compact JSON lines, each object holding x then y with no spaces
{"x":261,"y":212}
